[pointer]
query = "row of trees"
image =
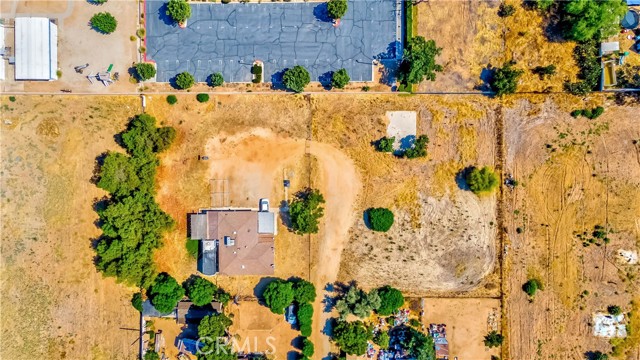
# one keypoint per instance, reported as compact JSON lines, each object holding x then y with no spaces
{"x":279,"y":294}
{"x":418,"y":147}
{"x":384,"y":301}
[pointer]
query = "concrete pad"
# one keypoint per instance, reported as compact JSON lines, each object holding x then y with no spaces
{"x":402,"y":126}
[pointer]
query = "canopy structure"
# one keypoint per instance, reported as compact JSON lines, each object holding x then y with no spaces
{"x":630,"y":20}
{"x":36,"y":48}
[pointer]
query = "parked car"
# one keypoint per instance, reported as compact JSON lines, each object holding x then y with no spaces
{"x":264,"y":204}
{"x":290,"y":315}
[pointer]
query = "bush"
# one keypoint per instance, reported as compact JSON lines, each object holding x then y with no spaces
{"x":278,"y":295}
{"x":136,"y":301}
{"x":337,"y":8}
{"x":179,"y":10}
{"x":576,"y":113}
{"x":200,"y":290}
{"x":419,"y":61}
{"x":202,"y":98}
{"x":104,"y":22}
{"x":493,"y":339}
{"x":597,"y":112}
{"x":305,"y":318}
{"x":543,"y":71}
{"x":193,"y":247}
{"x":165,"y":293}
{"x":380,"y":219}
{"x":418,"y":148}
{"x":390,"y":300}
{"x":481,"y":180}
{"x":415,"y":323}
{"x":351,"y":337}
{"x":304,"y":292}
{"x":12,"y":98}
{"x":216,"y":80}
{"x":307,"y":348}
{"x":184,"y":80}
{"x":586,"y":56}
{"x":382,"y":339}
{"x":256,"y":70}
{"x":305,"y":211}
{"x":385,"y":144}
{"x":532,"y":286}
{"x":506,"y":10}
{"x":145,"y":71}
{"x":614,"y":310}
{"x":296,"y":78}
{"x":150,"y":354}
{"x":172,"y":99}
{"x":505,"y":79}
{"x":340,"y":79}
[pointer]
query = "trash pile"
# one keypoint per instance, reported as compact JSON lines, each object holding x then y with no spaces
{"x":401,"y":317}
{"x":609,"y":326}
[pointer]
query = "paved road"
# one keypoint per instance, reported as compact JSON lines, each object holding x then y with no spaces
{"x":227,"y":38}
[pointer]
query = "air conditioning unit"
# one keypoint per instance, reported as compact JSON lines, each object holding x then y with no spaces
{"x":228,"y":241}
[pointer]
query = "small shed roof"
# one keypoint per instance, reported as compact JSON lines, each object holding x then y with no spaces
{"x":209,"y":257}
{"x":609,"y":47}
{"x":36,"y":48}
{"x":198,"y":226}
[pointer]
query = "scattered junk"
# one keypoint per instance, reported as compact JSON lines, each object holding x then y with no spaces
{"x":609,"y":326}
{"x":628,"y":256}
{"x":401,"y":317}
{"x":65,"y":90}
{"x":80,"y":68}
{"x":439,"y":334}
{"x":370,"y":350}
{"x":287,"y":183}
{"x":492,"y":320}
{"x":510,"y":181}
{"x":203,"y":157}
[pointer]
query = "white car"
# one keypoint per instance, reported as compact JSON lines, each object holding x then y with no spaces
{"x":264,"y":205}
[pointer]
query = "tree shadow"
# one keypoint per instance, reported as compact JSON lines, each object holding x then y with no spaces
{"x":321,"y":13}
{"x":389,"y":72}
{"x":95,"y":2}
{"x":285,"y":217}
{"x":297,"y":342}
{"x":461,"y":178}
{"x":327,"y":329}
{"x":406,"y":143}
{"x":294,"y":355}
{"x":329,"y":302}
{"x":331,"y":356}
{"x":166,"y":19}
{"x":392,"y":52}
{"x":276,"y":80}
{"x":258,"y":291}
{"x":486,"y":75}
{"x":325,"y":80}
{"x":593,"y":355}
{"x":95,"y":176}
{"x":366,"y":219}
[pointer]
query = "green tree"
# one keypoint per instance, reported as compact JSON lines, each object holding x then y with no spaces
{"x":592,"y":19}
{"x":202,"y":98}
{"x":136,"y":301}
{"x":165,"y":293}
{"x":351,"y":337}
{"x":380,"y":219}
{"x":390,"y":300}
{"x":118,"y":174}
{"x":337,"y":8}
{"x":210,"y":329}
{"x":179,"y":10}
{"x":419,"y":61}
{"x":382,"y":339}
{"x":304,"y":292}
{"x":505,"y":79}
{"x":214,"y":326}
{"x":356,"y":301}
{"x":216,"y":79}
{"x":340,"y":79}
{"x":184,"y":80}
{"x":586,"y":56}
{"x":278,"y":295}
{"x":385,"y":144}
{"x":296,"y":78}
{"x":418,"y":148}
{"x":145,"y":71}
{"x":614,"y":310}
{"x":493,"y":339}
{"x":172,"y":99}
{"x":104,"y":22}
{"x":305,"y":211}
{"x":482,"y":180}
{"x":419,"y":345}
{"x":532,"y":286}
{"x":307,"y":348}
{"x":200,"y":290}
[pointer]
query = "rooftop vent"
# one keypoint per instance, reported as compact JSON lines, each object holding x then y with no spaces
{"x":228,"y":241}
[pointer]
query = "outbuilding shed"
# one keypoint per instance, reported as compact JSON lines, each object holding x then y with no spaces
{"x":36,"y":48}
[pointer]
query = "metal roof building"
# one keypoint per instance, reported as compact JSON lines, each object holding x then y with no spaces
{"x":36,"y":48}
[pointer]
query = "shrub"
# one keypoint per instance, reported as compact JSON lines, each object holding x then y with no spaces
{"x":172,"y":99}
{"x":506,"y":10}
{"x":614,"y":310}
{"x":193,"y":247}
{"x":216,"y":80}
{"x":493,"y":339}
{"x":586,"y":56}
{"x":200,"y":290}
{"x":296,"y":78}
{"x":385,"y":144}
{"x":419,"y":61}
{"x":543,"y":71}
{"x":366,"y":88}
{"x":340,"y":79}
{"x":597,"y":112}
{"x":12,"y":98}
{"x":382,"y":339}
{"x":165,"y":293}
{"x":150,"y":354}
{"x":380,"y":219}
{"x":532,"y":286}
{"x":140,"y":33}
{"x":505,"y":79}
{"x":305,"y":318}
{"x":202,"y":98}
{"x":179,"y":10}
{"x":415,"y":323}
{"x":305,"y":211}
{"x":337,"y":8}
{"x":278,"y":295}
{"x":304,"y":292}
{"x":481,"y":180}
{"x":136,"y":301}
{"x":576,"y":113}
{"x":351,"y":337}
{"x":145,"y":71}
{"x":185,"y":80}
{"x":418,"y":148}
{"x":390,"y":300}
{"x":104,"y":22}
{"x":307,"y":348}
{"x":256,"y":70}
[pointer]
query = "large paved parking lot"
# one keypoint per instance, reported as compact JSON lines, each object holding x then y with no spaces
{"x":227,"y":38}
